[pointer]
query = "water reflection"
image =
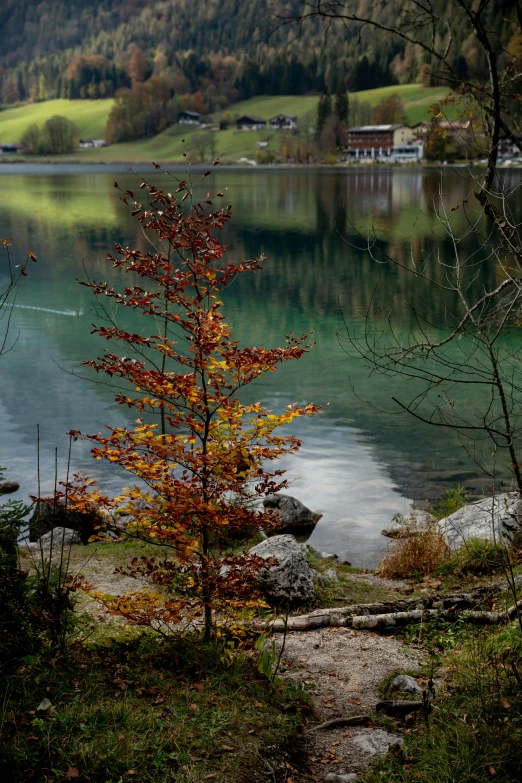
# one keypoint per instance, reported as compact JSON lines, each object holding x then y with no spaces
{"x":357,"y":466}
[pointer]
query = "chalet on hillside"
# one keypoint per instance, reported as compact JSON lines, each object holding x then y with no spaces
{"x":283,"y":122}
{"x":86,"y":144}
{"x":189,"y":118}
{"x":10,"y":149}
{"x":250,"y":122}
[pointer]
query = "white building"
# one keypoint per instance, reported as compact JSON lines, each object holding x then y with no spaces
{"x":90,"y":143}
{"x":507,"y":148}
{"x":189,"y":118}
{"x":283,"y":122}
{"x":408,"y":153}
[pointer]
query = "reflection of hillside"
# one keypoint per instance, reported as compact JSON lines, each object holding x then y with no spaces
{"x":309,"y":202}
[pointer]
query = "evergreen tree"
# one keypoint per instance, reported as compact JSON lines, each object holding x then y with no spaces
{"x":342,"y":104}
{"x":324,"y":109}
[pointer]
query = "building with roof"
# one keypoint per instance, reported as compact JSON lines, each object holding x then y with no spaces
{"x":89,"y":143}
{"x":250,"y":122}
{"x":12,"y":148}
{"x":507,"y":147}
{"x":283,"y":122}
{"x":189,"y":118}
{"x":374,"y":141}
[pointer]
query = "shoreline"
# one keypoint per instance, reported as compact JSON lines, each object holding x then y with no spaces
{"x":183,"y":165}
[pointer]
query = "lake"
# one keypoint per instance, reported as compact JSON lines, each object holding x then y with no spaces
{"x":358,"y":465}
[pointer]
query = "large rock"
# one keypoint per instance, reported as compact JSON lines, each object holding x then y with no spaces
{"x":485,"y":519}
{"x":293,"y":514}
{"x":47,"y":516}
{"x":290,"y":577}
{"x":59,"y":536}
{"x":7,"y":487}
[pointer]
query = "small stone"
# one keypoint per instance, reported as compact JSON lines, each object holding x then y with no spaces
{"x":331,"y":575}
{"x":333,"y":778}
{"x":405,"y":684}
{"x":377,"y":743}
{"x":44,"y":705}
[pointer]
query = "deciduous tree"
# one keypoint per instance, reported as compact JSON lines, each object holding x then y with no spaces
{"x":200,"y":468}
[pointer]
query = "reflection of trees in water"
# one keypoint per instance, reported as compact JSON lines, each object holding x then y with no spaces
{"x":304,"y":224}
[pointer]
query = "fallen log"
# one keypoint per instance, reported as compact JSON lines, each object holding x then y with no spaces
{"x":376,"y":621}
{"x":335,"y":723}
{"x":390,"y":613}
{"x":396,"y":618}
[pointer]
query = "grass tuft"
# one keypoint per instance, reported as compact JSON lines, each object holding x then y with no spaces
{"x":420,"y":553}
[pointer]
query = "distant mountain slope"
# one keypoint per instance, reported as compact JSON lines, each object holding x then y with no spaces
{"x":209,"y":46}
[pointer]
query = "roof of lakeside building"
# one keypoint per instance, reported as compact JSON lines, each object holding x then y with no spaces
{"x":370,"y":128}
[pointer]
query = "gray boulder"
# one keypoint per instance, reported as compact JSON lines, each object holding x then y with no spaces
{"x":293,"y":514}
{"x":290,"y":576}
{"x":60,"y":536}
{"x":405,"y":684}
{"x":484,"y":519}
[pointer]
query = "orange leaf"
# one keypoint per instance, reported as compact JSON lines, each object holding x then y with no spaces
{"x":72,"y":772}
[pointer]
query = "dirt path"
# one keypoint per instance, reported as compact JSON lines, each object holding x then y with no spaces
{"x":342,"y":670}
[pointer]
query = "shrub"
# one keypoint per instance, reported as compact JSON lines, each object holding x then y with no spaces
{"x":420,"y":551}
{"x":449,"y":502}
{"x":14,"y":598}
{"x":58,"y":136}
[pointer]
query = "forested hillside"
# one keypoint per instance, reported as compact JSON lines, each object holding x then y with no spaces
{"x":218,"y":50}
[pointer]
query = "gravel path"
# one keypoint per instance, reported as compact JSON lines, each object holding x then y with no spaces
{"x":342,"y":670}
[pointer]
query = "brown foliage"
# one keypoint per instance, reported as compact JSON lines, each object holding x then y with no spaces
{"x":420,"y":553}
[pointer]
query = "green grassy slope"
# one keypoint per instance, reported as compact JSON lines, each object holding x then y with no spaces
{"x":90,"y":117}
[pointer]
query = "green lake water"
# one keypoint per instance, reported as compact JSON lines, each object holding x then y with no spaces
{"x":357,"y":465}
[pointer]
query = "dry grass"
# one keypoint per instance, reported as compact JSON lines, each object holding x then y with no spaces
{"x":420,"y":552}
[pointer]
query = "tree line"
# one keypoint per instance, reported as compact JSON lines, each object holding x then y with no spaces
{"x":230,"y":52}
